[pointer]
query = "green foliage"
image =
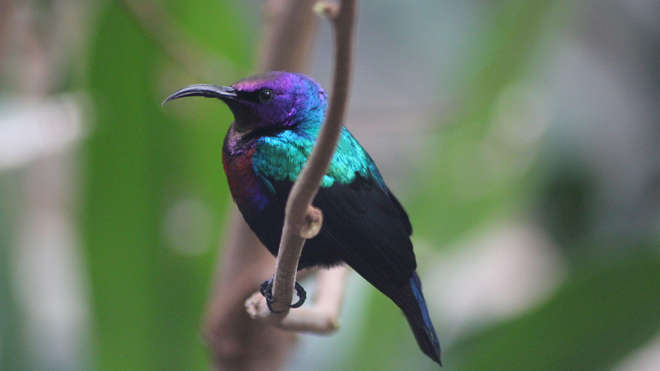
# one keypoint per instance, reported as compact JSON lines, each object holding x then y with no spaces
{"x":12,"y":355}
{"x":214,"y":25}
{"x":601,"y":314}
{"x":147,"y":300}
{"x":459,"y":188}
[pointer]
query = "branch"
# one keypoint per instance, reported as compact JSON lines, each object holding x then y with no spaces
{"x":321,"y":318}
{"x":294,"y":28}
{"x":302,"y":220}
{"x":236,"y":341}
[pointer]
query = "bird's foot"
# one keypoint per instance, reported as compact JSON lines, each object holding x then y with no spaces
{"x":266,"y":290}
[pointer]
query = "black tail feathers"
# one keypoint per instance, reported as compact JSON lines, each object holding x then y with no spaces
{"x":411,"y":301}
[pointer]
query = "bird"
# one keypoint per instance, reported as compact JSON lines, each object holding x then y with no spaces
{"x":277,"y":118}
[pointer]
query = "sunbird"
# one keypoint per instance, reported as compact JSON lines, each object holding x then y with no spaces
{"x":277,"y":118}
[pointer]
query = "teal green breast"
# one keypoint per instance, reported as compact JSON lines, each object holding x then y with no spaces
{"x":282,"y":157}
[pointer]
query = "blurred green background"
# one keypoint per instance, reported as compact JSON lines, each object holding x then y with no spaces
{"x":521,"y":136}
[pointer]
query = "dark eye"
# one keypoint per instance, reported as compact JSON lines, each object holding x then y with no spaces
{"x":265,"y":95}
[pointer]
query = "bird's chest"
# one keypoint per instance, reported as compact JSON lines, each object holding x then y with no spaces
{"x":262,"y":208}
{"x":244,"y":185}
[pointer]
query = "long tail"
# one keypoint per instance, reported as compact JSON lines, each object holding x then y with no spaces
{"x":411,"y":300}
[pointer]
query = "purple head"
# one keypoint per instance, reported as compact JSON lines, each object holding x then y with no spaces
{"x":272,"y":99}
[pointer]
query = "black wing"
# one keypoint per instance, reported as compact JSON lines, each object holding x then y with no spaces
{"x":369,"y":230}
{"x":364,"y":225}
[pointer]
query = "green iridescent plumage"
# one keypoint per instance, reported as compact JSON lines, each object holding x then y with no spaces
{"x":281,"y":157}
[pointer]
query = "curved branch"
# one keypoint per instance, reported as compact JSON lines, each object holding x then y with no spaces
{"x":302,"y":220}
{"x":321,"y":318}
{"x":235,"y":341}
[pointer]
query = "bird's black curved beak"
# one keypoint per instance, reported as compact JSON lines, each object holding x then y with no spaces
{"x":203,"y":90}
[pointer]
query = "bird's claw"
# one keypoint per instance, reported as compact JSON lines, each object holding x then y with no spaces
{"x":266,"y":290}
{"x":302,"y":295}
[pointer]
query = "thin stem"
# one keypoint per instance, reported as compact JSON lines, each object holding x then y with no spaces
{"x":299,"y":213}
{"x":236,"y":341}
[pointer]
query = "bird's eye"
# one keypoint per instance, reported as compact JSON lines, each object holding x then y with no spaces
{"x":265,"y":95}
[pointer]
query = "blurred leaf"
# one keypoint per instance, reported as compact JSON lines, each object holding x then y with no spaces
{"x":462,"y":184}
{"x":147,"y":299}
{"x":566,"y":200}
{"x":601,"y":314}
{"x":12,"y":351}
{"x":221,"y":27}
{"x":378,"y":345}
{"x":457,"y":188}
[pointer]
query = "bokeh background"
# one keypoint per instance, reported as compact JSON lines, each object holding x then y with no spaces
{"x":522,"y":136}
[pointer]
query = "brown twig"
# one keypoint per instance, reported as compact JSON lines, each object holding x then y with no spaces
{"x":281,"y":49}
{"x":302,"y":220}
{"x":321,"y":318}
{"x":236,"y":341}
